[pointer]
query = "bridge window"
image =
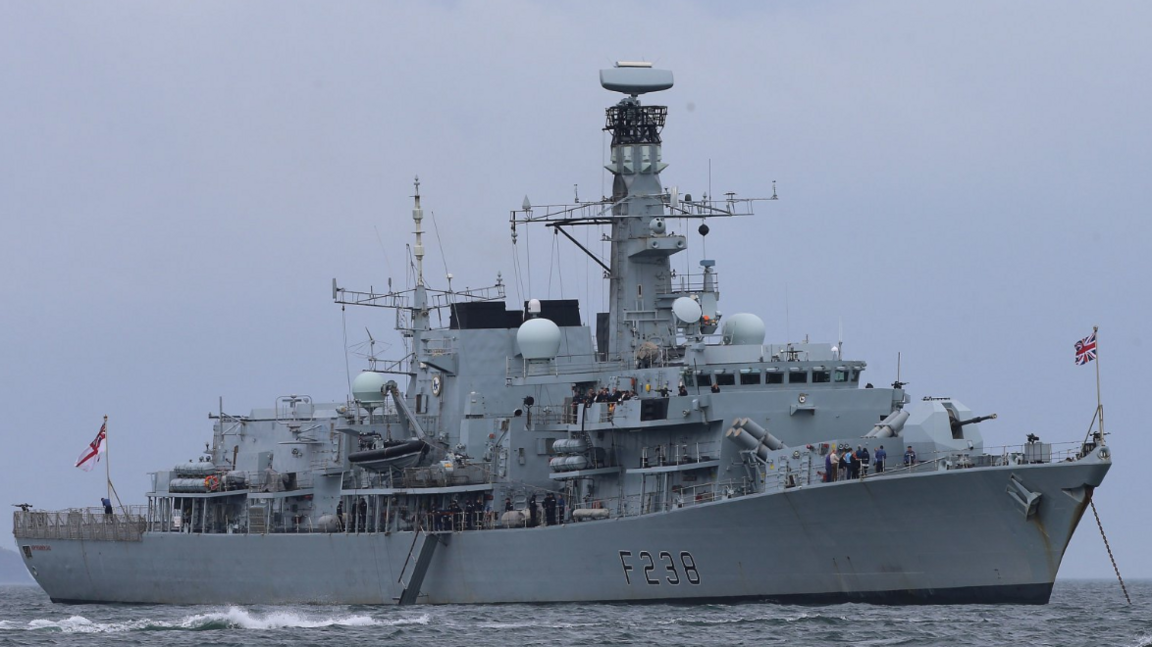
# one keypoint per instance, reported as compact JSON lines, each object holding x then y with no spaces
{"x":855,"y":375}
{"x":798,"y":377}
{"x":725,"y":379}
{"x":820,"y":376}
{"x":841,"y":375}
{"x":775,"y":378}
{"x":749,"y":377}
{"x":703,"y":379}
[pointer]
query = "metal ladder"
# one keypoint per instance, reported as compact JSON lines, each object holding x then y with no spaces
{"x":423,"y":546}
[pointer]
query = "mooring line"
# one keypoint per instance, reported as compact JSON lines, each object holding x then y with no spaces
{"x":1109,"y":548}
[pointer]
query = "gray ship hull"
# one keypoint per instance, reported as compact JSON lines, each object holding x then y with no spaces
{"x":943,"y":537}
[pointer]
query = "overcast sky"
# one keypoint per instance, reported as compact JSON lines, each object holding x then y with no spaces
{"x":963,"y":183}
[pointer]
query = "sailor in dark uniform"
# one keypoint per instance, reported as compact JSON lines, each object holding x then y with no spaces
{"x":550,"y":509}
{"x":469,"y":514}
{"x":455,"y":512}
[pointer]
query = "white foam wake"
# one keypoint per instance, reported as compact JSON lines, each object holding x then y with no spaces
{"x":230,"y":618}
{"x":243,"y":619}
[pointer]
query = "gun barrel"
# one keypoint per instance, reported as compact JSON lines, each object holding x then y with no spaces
{"x":977,"y":419}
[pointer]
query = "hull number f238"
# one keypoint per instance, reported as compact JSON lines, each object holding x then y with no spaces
{"x":659,"y":568}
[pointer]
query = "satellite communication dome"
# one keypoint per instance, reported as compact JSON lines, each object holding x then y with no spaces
{"x":743,"y":329}
{"x":534,"y":306}
{"x":538,"y":338}
{"x":366,"y":388}
{"x":687,"y":310}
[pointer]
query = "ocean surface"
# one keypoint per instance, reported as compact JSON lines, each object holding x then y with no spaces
{"x":1081,"y":613}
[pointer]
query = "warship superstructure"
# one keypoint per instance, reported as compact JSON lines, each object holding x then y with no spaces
{"x":666,"y":452}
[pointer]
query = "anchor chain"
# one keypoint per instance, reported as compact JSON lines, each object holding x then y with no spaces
{"x":1109,"y":548}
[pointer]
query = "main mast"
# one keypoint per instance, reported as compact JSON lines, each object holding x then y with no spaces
{"x":420,"y":301}
{"x":641,"y":246}
{"x":643,"y":319}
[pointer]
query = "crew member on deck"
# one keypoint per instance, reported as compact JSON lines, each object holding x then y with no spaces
{"x":469,"y":513}
{"x":550,"y":509}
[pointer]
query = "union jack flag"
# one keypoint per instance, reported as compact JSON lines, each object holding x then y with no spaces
{"x":1086,"y":349}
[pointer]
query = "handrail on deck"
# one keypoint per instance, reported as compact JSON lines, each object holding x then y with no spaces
{"x":126,"y":523}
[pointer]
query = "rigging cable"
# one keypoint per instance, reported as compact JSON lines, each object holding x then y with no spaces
{"x":528,"y":259}
{"x":587,"y":279}
{"x":516,"y":268}
{"x":559,"y":265}
{"x":440,"y":244}
{"x":347,"y":366}
{"x":383,"y":250}
{"x":444,"y":261}
{"x":551,"y":261}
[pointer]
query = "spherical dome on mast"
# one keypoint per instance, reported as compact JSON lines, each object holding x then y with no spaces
{"x":368,"y":387}
{"x":743,"y":329}
{"x":538,"y":338}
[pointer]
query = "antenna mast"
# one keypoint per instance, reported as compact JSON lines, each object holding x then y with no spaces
{"x":418,"y":250}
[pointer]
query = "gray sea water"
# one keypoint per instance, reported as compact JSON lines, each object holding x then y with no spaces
{"x":1081,"y":613}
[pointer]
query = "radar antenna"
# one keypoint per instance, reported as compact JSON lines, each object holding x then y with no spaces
{"x":371,"y":350}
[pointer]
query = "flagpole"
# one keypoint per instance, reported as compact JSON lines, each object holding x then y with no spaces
{"x":107,"y":461}
{"x":1099,"y":402}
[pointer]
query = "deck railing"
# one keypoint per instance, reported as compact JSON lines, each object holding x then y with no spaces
{"x":93,"y":524}
{"x":128,"y":523}
{"x":813,"y":471}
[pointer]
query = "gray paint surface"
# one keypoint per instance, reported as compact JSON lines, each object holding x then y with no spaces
{"x":491,"y":415}
{"x":849,"y":539}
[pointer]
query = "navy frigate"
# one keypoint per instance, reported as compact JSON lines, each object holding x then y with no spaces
{"x":664,"y":453}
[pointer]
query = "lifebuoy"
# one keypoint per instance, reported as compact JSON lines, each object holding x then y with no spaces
{"x":211,"y":483}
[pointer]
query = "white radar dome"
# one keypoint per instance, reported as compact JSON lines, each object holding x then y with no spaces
{"x":538,"y":338}
{"x":743,"y":329}
{"x":367,"y":387}
{"x":687,"y":310}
